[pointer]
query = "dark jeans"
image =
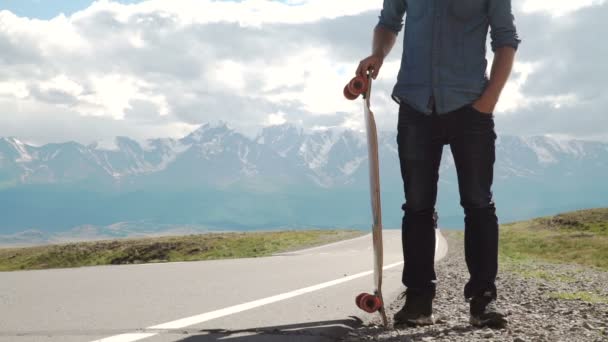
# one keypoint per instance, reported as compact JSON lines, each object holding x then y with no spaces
{"x":420,"y":139}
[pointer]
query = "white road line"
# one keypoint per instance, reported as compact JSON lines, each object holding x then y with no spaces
{"x":127,"y":337}
{"x":188,"y":321}
{"x":440,"y":253}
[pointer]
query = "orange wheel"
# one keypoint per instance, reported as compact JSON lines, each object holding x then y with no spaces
{"x":348,"y":94}
{"x":365,"y":301}
{"x":371,"y":303}
{"x":358,"y":85}
{"x":358,"y":300}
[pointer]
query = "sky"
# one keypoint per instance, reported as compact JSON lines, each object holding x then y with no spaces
{"x":48,"y":9}
{"x":89,"y":71}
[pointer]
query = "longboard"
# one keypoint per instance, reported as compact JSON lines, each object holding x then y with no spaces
{"x":371,"y":302}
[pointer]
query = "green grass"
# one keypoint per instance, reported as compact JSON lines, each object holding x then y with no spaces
{"x":588,"y":297}
{"x":579,"y":237}
{"x":166,"y":249}
{"x":528,"y":271}
{"x":459,"y":234}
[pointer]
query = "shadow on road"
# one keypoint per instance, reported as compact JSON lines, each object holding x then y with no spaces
{"x":323,"y":331}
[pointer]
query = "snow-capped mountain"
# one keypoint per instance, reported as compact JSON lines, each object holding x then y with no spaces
{"x":284,"y":176}
{"x":218,"y":155}
{"x":213,"y":155}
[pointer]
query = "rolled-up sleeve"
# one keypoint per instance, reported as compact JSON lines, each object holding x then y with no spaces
{"x":502,"y":24}
{"x":391,"y":16}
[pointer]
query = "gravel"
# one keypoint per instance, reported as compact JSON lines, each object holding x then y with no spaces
{"x":531,"y":293}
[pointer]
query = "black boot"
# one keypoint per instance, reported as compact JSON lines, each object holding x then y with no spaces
{"x":484,"y":312}
{"x":418,"y":309}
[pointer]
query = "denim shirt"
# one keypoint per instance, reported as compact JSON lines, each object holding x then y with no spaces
{"x":444,"y":48}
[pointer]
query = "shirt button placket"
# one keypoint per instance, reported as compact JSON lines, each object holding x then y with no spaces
{"x":435,"y":9}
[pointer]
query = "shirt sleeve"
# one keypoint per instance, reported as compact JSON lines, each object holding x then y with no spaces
{"x":502,"y":24}
{"x":391,"y":16}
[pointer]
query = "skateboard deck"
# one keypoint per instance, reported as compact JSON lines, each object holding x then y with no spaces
{"x":374,"y":182}
{"x":371,"y":302}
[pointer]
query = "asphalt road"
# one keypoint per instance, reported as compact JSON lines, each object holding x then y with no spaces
{"x":306,"y":295}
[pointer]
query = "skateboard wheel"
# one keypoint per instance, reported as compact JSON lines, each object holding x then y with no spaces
{"x":348,"y":94}
{"x":363,"y":301}
{"x":358,"y":85}
{"x":370,"y":303}
{"x":378,"y":303}
{"x":358,"y":300}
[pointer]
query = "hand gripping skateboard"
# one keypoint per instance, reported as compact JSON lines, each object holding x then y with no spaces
{"x":362,"y":85}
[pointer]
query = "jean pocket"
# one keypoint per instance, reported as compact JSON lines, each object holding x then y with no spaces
{"x":484,"y":114}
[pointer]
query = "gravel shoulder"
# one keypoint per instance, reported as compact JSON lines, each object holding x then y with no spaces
{"x":544,"y":302}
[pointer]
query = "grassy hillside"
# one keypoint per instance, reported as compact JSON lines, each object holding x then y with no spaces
{"x":163,"y":249}
{"x":579,"y":237}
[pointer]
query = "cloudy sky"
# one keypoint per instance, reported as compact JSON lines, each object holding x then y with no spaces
{"x":88,"y":71}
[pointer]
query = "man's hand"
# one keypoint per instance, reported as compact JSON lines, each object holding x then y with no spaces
{"x":382,"y":44}
{"x":485,"y":104}
{"x":373,"y":62}
{"x":501,"y":68}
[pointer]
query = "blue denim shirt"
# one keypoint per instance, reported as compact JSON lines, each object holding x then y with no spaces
{"x":444,"y":48}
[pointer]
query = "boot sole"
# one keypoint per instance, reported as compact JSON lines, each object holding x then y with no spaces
{"x":423,"y":320}
{"x":493,"y":321}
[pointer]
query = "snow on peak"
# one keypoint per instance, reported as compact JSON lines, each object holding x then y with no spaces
{"x":315,"y":149}
{"x":127,"y":143}
{"x":565,"y":144}
{"x":21,"y":149}
{"x":549,"y":148}
{"x":281,"y":138}
{"x":537,"y":145}
{"x":248,"y":168}
{"x":350,"y":167}
{"x":208,"y":129}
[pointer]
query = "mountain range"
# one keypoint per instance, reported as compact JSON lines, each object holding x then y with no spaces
{"x":285,"y":177}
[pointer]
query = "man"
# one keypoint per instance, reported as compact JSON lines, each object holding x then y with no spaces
{"x":446,"y":98}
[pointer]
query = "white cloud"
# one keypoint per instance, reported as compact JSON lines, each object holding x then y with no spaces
{"x":318,"y":76}
{"x":50,"y":36}
{"x":276,"y":119}
{"x":229,"y":73}
{"x":246,"y":12}
{"x":512,"y":96}
{"x":63,"y":84}
{"x":163,"y":66}
{"x":15,"y":89}
{"x":137,"y":40}
{"x":557,"y":7}
{"x":110,"y":95}
{"x":100,"y":61}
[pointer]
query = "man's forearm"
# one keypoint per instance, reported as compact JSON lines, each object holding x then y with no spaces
{"x":384,"y":40}
{"x":382,"y":43}
{"x":501,"y":69}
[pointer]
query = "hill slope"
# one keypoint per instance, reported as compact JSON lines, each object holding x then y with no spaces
{"x":166,"y":249}
{"x":576,"y":237}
